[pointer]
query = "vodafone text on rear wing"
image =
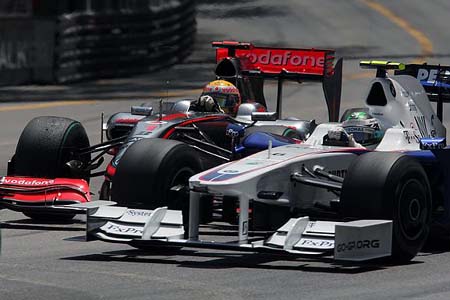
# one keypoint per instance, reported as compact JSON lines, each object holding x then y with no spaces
{"x":248,"y":66}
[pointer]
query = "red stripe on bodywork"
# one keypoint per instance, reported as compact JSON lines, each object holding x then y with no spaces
{"x":208,"y":118}
{"x":127,"y":121}
{"x":175,"y":116}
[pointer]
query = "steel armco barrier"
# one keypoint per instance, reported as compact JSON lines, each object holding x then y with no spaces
{"x":115,"y":44}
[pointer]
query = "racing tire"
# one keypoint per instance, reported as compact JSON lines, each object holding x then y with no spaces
{"x":149,"y":169}
{"x":45,"y":146}
{"x":390,"y":186}
{"x":105,"y":191}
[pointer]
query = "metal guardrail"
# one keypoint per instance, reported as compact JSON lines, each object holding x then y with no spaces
{"x":115,"y":44}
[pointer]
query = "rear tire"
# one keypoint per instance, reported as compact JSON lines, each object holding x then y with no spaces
{"x":390,"y":186}
{"x":45,"y":146}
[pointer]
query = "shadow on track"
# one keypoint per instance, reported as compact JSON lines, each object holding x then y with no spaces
{"x":57,"y":225}
{"x":188,"y":258}
{"x":437,"y":243}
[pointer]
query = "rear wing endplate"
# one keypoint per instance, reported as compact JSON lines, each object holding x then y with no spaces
{"x":247,"y":65}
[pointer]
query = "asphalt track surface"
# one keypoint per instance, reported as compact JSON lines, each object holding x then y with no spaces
{"x":44,"y":261}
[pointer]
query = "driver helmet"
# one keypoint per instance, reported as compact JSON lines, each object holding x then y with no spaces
{"x":366,"y":130}
{"x":225,"y":94}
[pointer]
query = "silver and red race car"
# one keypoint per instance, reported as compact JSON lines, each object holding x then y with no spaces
{"x":159,"y":151}
{"x":371,"y":186}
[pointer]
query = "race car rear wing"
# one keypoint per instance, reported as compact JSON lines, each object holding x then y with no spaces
{"x":434,"y":78}
{"x":248,"y":66}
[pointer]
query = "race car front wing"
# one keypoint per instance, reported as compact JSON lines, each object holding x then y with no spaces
{"x":349,"y":241}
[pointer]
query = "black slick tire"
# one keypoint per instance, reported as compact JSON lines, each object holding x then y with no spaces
{"x":390,"y":186}
{"x":149,"y":169}
{"x":45,"y":146}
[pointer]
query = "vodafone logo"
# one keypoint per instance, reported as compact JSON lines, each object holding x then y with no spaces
{"x":288,"y":58}
{"x":34,"y":182}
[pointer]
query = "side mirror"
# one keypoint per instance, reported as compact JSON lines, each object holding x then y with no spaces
{"x":142,"y":110}
{"x":264,"y":116}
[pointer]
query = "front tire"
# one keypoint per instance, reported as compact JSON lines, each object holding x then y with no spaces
{"x":47,"y":144}
{"x":44,"y":147}
{"x":149,"y":169}
{"x":390,"y":186}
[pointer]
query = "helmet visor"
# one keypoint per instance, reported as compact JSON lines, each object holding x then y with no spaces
{"x":225,"y":101}
{"x":363,"y":135}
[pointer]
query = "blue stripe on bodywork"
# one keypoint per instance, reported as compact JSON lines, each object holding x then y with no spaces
{"x":216,"y":176}
{"x":434,"y":83}
{"x":422,"y":155}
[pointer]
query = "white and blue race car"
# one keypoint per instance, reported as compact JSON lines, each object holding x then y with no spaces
{"x":370,"y":186}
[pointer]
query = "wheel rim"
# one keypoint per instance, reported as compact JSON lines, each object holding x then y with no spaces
{"x":412,"y":209}
{"x":182,"y":176}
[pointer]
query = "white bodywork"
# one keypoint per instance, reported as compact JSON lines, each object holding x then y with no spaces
{"x":407,"y":117}
{"x":405,"y":112}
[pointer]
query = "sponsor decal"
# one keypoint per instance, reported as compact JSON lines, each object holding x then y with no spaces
{"x":245,"y":228}
{"x":278,"y":154}
{"x":422,"y":125}
{"x":230,"y":171}
{"x":433,"y":133}
{"x":275,"y":60}
{"x":339,"y":173}
{"x":138,"y":213}
{"x":254,"y":163}
{"x":429,"y":76}
{"x":404,"y":93}
{"x":410,"y":137}
{"x":127,"y":121}
{"x":317,"y":244}
{"x":31,"y":182}
{"x":221,"y":89}
{"x":285,"y":59}
{"x":311,"y":224}
{"x":361,"y":244}
{"x":121,"y":229}
{"x":232,"y":133}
